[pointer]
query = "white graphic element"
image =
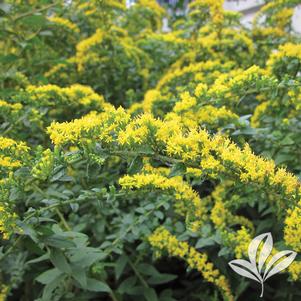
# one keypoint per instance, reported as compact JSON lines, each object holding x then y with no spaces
{"x":253,"y":269}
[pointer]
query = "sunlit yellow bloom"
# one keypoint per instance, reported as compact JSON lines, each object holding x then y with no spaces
{"x":187,"y":200}
{"x":84,"y":46}
{"x":3,"y":292}
{"x":64,"y":22}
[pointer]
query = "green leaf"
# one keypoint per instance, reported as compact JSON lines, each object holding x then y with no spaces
{"x":33,"y":20}
{"x":224,"y":251}
{"x":95,"y":285}
{"x":205,"y":242}
{"x":136,"y":165}
{"x":48,"y":276}
{"x":161,"y":278}
{"x":120,"y":265}
{"x":79,"y":274}
{"x":245,"y":131}
{"x":147,"y":269}
{"x":287,"y":141}
{"x":59,"y":174}
{"x":85,"y":257}
{"x":30,"y":231}
{"x":150,"y":294}
{"x":39,"y":259}
{"x":159,"y":214}
{"x":166,"y":295}
{"x":177,"y":169}
{"x":59,"y":241}
{"x":127,"y":284}
{"x":50,"y":288}
{"x":281,"y":158}
{"x":10,"y":58}
{"x":59,"y":260}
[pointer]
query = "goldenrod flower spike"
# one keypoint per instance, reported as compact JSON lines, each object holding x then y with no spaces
{"x":163,"y":241}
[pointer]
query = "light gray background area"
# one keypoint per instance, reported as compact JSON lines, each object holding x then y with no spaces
{"x":249,"y":8}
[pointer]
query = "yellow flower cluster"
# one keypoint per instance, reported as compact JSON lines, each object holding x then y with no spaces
{"x":186,"y":103}
{"x":192,"y":115}
{"x":283,"y":17}
{"x":214,"y":155}
{"x":7,"y":221}
{"x":278,"y":12}
{"x":61,"y":69}
{"x":64,"y":23}
{"x":240,"y":240}
{"x":288,"y":50}
{"x":84,"y":46}
{"x":269,"y":32}
{"x":258,"y":113}
{"x":191,"y":203}
{"x":233,"y":87}
{"x":139,"y":130}
{"x":101,"y":126}
{"x":3,"y":292}
{"x":14,"y":107}
{"x":119,"y":4}
{"x":292,"y":230}
{"x":195,"y":71}
{"x":89,"y":8}
{"x":221,"y":214}
{"x":295,"y":270}
{"x":151,"y":98}
{"x":7,"y":162}
{"x":214,"y":116}
{"x":169,"y":37}
{"x":53,"y":95}
{"x":221,"y":44}
{"x":223,"y":217}
{"x":215,"y":8}
{"x":157,"y":11}
{"x":12,"y":153}
{"x":152,"y":5}
{"x":163,"y":240}
{"x":42,"y":169}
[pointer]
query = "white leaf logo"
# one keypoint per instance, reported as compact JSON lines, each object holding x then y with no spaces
{"x":253,"y":269}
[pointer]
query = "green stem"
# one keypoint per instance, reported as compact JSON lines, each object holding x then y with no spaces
{"x":113,"y":297}
{"x":61,"y":216}
{"x":156,"y":156}
{"x":137,"y":273}
{"x":35,"y":11}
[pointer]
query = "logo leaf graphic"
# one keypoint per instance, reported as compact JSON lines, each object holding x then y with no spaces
{"x":254,"y":271}
{"x":246,"y":269}
{"x":265,"y":251}
{"x":283,"y":264}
